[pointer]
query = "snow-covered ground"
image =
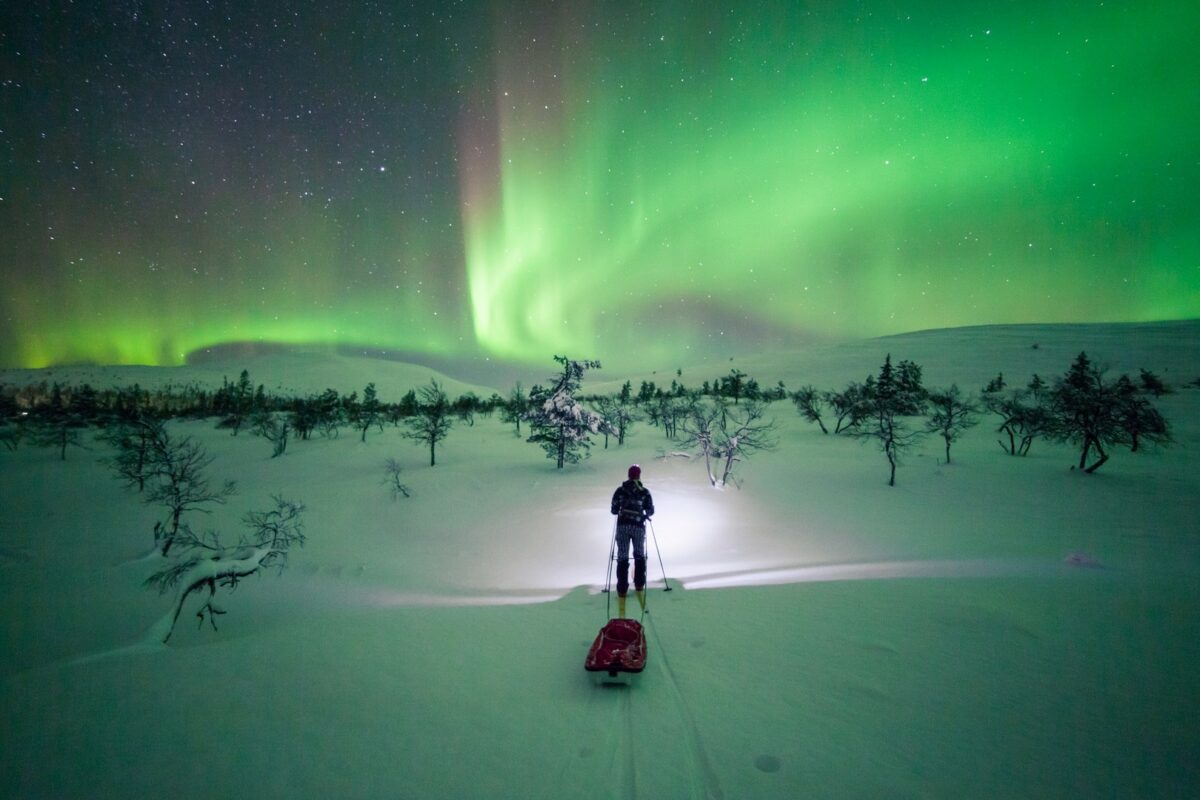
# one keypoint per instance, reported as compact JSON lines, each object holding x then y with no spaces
{"x":993,"y":627}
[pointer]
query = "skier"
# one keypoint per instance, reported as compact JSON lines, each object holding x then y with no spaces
{"x":633,"y":505}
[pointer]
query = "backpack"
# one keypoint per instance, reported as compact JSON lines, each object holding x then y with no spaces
{"x":632,"y":504}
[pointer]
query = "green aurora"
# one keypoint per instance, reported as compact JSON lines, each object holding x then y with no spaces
{"x":653,"y":185}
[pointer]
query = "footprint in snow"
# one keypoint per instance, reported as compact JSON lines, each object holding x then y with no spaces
{"x":1081,"y":559}
{"x":10,"y":555}
{"x":765,"y":763}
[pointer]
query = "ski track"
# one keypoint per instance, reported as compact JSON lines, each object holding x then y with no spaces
{"x":627,"y":744}
{"x":609,"y":760}
{"x":707,"y":785}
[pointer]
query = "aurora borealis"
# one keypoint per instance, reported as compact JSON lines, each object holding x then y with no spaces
{"x":610,"y":180}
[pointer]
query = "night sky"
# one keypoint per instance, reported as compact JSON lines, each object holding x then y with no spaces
{"x":613,"y":180}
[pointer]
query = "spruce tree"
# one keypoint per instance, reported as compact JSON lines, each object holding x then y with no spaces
{"x":558,"y":423}
{"x":888,"y":398}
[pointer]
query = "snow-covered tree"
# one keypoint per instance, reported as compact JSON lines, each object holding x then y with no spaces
{"x":558,"y":423}
{"x":203,"y":563}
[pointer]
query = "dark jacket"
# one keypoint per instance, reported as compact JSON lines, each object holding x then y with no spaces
{"x":632,"y":503}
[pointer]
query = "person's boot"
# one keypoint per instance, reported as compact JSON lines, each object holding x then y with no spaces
{"x":621,"y":606}
{"x":641,"y":596}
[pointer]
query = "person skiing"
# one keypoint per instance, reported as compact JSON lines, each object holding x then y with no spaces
{"x":632,"y":505}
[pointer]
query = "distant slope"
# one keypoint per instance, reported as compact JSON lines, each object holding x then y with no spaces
{"x":1170,"y":349}
{"x":968,"y":356}
{"x":287,"y":373}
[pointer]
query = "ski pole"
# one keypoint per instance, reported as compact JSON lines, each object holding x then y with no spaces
{"x":654,"y":536}
{"x":612,"y":552}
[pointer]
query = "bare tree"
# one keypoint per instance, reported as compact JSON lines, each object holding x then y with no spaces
{"x":620,"y":416}
{"x":1023,"y":413}
{"x":11,"y":434}
{"x":1096,"y":414}
{"x":369,"y":412}
{"x":236,"y":402}
{"x":726,"y":436}
{"x":56,"y":424}
{"x":179,"y":483}
{"x":391,"y":479}
{"x":740,"y":433}
{"x":465,"y":407}
{"x":951,"y":415}
{"x":665,"y":410}
{"x":330,"y":414}
{"x":274,"y":429}
{"x":134,"y":440}
{"x":205,"y":564}
{"x":1140,"y":420}
{"x":1153,"y":384}
{"x":433,"y":419}
{"x":811,"y":404}
{"x":516,"y":407}
{"x":849,"y":407}
{"x":700,"y":428}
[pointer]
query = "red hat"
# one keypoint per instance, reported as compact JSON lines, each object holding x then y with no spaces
{"x":635,"y":472}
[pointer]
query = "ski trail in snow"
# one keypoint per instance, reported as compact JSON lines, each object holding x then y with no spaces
{"x":710,"y":786}
{"x":629,"y":779}
{"x":621,"y":775}
{"x":604,"y":764}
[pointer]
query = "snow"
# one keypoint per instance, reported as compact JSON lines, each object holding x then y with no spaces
{"x":995,"y":627}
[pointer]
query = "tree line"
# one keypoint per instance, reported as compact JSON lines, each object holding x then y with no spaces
{"x":723,"y":421}
{"x":1083,"y":407}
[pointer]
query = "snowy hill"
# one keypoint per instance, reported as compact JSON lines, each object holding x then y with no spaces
{"x":994,"y":627}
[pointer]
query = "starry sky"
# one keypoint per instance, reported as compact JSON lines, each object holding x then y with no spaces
{"x":611,"y":180}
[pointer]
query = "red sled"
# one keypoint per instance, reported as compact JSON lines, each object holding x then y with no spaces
{"x":619,"y":647}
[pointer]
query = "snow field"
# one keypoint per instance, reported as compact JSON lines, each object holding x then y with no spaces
{"x":993,"y":627}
